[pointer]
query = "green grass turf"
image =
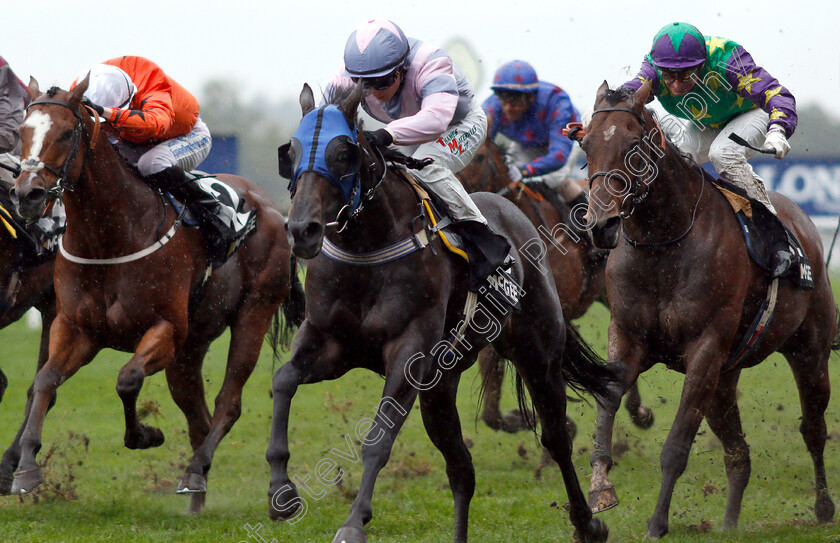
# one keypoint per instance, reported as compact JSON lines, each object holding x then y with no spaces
{"x":99,"y":491}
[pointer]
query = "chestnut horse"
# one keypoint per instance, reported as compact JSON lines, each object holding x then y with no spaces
{"x":578,"y":278}
{"x":684,"y":292}
{"x":388,"y":316}
{"x":129,"y":279}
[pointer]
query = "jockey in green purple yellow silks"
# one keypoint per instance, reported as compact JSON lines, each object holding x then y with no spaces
{"x":715,"y":85}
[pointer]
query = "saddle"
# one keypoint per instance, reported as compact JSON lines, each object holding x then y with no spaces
{"x":36,"y":241}
{"x":212,"y":206}
{"x":464,"y":240}
{"x":765,"y":234}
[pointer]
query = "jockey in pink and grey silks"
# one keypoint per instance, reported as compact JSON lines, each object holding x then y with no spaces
{"x":427,"y":106}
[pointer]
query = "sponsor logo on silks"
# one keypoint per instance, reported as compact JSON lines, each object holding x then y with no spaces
{"x":458,"y":143}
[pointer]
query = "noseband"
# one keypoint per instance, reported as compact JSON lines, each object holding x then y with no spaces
{"x":35,"y":166}
{"x":633,"y":198}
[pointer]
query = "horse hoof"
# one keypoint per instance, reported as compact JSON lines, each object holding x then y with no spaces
{"x":514,"y":422}
{"x":642,"y":417}
{"x":824,"y":509}
{"x":192,"y":483}
{"x":598,"y":531}
{"x":26,"y":480}
{"x":603,"y":499}
{"x":6,"y":483}
{"x":284,"y":503}
{"x":350,"y":534}
{"x":493,"y":421}
{"x":148,"y":437}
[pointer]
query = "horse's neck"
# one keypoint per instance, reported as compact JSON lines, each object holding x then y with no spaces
{"x":385,"y":219}
{"x":668,"y":209}
{"x":108,"y":196}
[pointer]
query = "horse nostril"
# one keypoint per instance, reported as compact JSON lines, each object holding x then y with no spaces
{"x":312,"y":230}
{"x":14,"y":197}
{"x":35,"y":195}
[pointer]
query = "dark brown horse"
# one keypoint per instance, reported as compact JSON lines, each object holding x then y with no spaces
{"x":579,"y":279}
{"x":390,"y":317}
{"x":129,"y":279}
{"x":22,"y":288}
{"x":683,"y":292}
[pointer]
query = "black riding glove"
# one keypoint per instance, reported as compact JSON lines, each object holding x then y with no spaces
{"x":96,"y":107}
{"x":379,"y":138}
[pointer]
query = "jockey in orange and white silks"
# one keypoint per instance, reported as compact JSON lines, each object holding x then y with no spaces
{"x":429,"y":110}
{"x":155,"y":118}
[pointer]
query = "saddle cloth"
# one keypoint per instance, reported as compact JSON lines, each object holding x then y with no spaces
{"x":765,"y":234}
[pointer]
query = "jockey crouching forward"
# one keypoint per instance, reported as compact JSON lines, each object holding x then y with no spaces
{"x":530,"y":115}
{"x":427,"y":105}
{"x":715,"y":84}
{"x":157,"y":125}
{"x":13,"y":102}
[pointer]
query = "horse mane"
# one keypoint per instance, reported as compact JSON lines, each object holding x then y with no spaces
{"x":52,"y":91}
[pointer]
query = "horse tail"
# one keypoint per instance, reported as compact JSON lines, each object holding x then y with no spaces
{"x":294,"y":306}
{"x":583,"y":370}
{"x":835,"y":345}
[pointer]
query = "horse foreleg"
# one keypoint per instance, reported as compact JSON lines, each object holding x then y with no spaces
{"x":492,"y":369}
{"x":440,"y":418}
{"x":11,"y":456}
{"x":245,"y":343}
{"x":315,"y":358}
{"x":154,"y":352}
{"x":725,"y":421}
{"x":69,"y":351}
{"x":704,"y":360}
{"x":187,"y":389}
{"x":602,"y":495}
{"x":397,"y":398}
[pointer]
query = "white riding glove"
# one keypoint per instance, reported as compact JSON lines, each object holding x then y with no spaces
{"x":776,"y":141}
{"x":515,"y":173}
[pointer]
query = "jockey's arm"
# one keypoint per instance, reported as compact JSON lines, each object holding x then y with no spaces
{"x":150,"y":122}
{"x":11,"y":111}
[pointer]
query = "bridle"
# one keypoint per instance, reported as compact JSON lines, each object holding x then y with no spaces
{"x":36,"y":166}
{"x":349,"y":211}
{"x":633,"y":197}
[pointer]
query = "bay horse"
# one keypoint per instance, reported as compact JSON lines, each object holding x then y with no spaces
{"x":579,"y":280}
{"x":22,"y":288}
{"x":129,"y":279}
{"x":388,"y":316}
{"x":683,"y":292}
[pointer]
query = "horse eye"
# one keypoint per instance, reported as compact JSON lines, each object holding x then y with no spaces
{"x":67,"y":135}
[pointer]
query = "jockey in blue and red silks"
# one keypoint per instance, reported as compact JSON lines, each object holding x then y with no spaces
{"x":428,"y":107}
{"x":715,"y":84}
{"x":530,"y":115}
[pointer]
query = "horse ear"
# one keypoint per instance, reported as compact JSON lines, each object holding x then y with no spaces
{"x":602,"y":91}
{"x":33,"y":90}
{"x":350,"y":105}
{"x":307,"y":100}
{"x":641,"y":96}
{"x":284,"y":161}
{"x":77,"y":93}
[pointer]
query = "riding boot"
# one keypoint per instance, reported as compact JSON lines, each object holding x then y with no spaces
{"x":220,"y":237}
{"x":487,"y":250}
